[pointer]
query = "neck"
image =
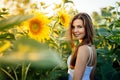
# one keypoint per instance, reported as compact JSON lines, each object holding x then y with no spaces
{"x":80,"y":40}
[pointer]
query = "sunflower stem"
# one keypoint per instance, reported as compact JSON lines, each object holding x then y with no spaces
{"x":7,"y":73}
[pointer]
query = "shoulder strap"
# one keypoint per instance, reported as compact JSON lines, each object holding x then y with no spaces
{"x":91,"y":56}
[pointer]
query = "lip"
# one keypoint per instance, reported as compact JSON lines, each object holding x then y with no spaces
{"x":76,"y":35}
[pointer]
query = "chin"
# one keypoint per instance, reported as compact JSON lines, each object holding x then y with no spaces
{"x":77,"y":38}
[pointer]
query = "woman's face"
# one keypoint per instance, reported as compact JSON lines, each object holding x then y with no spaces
{"x":78,"y":29}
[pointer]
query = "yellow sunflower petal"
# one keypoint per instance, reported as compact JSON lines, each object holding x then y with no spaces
{"x":64,"y":18}
{"x":38,"y":27}
{"x":5,"y":46}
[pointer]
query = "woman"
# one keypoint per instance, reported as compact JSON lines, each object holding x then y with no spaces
{"x":82,"y":61}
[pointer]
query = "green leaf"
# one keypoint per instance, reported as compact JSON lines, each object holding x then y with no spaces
{"x":115,"y":39}
{"x":117,"y":23}
{"x":7,"y":73}
{"x":13,"y":20}
{"x":67,"y":1}
{"x":115,"y":31}
{"x":102,"y":50}
{"x":105,"y":12}
{"x":103,"y":32}
{"x":96,"y":17}
{"x":7,"y":36}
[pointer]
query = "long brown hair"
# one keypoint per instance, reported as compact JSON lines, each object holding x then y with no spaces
{"x":88,"y":39}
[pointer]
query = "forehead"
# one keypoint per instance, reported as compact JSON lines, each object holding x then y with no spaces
{"x":78,"y":22}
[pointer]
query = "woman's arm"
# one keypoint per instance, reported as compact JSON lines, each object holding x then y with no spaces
{"x":81,"y":61}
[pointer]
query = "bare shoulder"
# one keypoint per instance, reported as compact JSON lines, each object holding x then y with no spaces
{"x":83,"y":50}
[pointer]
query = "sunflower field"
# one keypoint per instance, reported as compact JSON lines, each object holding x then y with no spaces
{"x":34,"y":44}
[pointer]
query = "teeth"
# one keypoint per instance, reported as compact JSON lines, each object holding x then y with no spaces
{"x":77,"y":35}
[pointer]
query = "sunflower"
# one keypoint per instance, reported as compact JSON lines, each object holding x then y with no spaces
{"x":64,"y":18}
{"x":37,"y":27}
{"x":4,"y":46}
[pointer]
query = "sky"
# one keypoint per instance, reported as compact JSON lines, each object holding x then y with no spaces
{"x":93,"y":5}
{"x":83,"y":5}
{"x":87,"y":5}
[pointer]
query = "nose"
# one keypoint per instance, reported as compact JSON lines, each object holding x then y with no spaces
{"x":75,"y":29}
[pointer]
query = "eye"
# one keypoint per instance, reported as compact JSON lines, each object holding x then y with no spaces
{"x":80,"y":26}
{"x":72,"y":27}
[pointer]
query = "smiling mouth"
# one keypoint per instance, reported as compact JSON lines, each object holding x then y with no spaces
{"x":76,"y":35}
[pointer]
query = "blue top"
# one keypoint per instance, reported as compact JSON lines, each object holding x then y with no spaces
{"x":88,"y":69}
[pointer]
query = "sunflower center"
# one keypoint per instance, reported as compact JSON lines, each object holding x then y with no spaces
{"x":34,"y":28}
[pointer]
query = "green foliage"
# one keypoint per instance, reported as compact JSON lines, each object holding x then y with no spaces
{"x":107,"y":41}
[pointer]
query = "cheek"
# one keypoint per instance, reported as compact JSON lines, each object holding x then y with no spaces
{"x":82,"y":31}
